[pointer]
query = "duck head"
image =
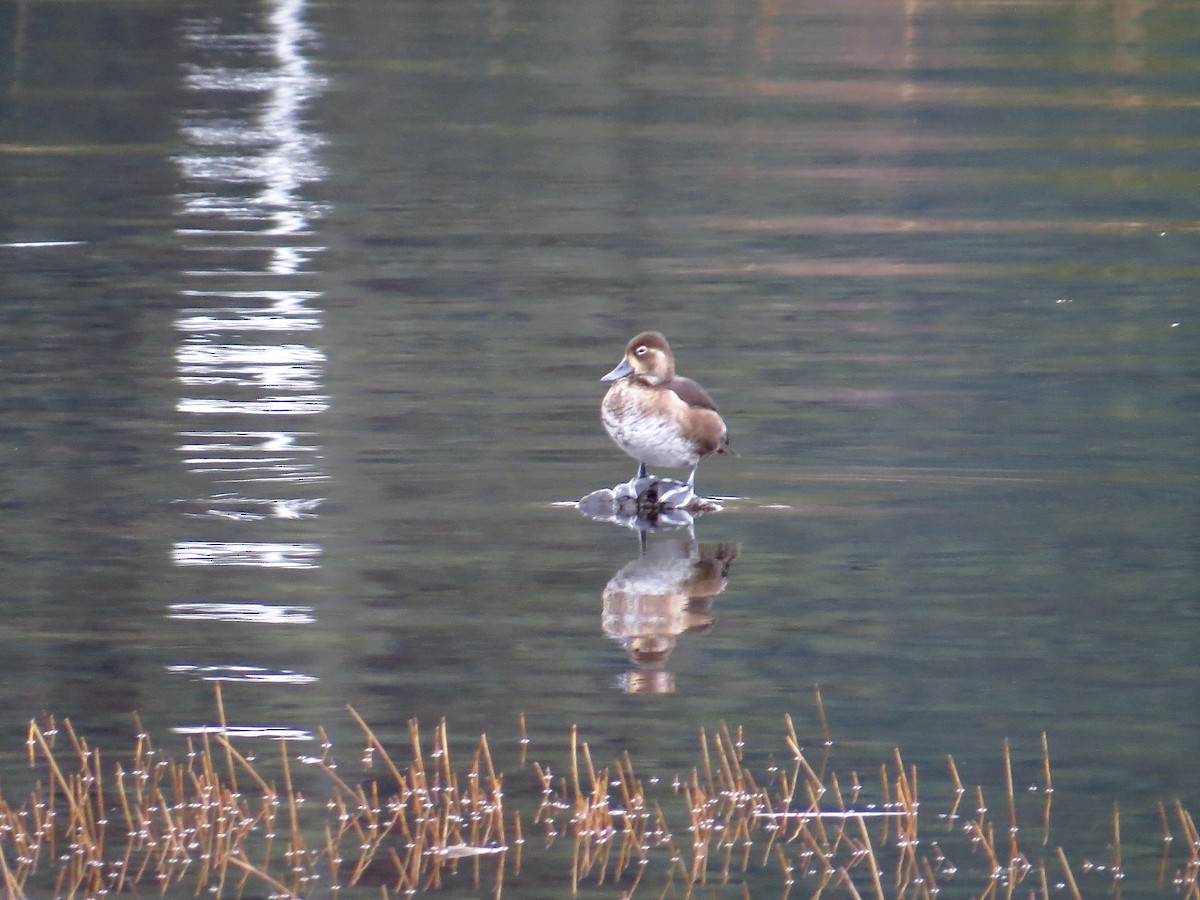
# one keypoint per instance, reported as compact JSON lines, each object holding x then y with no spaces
{"x":648,"y":357}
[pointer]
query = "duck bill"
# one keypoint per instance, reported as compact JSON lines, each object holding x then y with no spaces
{"x":623,"y":368}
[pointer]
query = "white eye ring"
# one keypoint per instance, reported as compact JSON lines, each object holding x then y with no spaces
{"x":641,"y":351}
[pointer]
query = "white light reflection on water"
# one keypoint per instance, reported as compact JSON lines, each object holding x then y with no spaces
{"x":245,"y":320}
{"x":283,"y":367}
{"x":261,"y":732}
{"x":258,"y":613}
{"x":283,"y":311}
{"x":248,"y":336}
{"x":261,"y":456}
{"x":36,"y":245}
{"x":285,"y":156}
{"x":265,"y":555}
{"x":252,"y":509}
{"x":265,"y":406}
{"x":242,"y":674}
{"x":248,"y":442}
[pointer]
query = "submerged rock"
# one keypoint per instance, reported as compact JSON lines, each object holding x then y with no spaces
{"x":647,"y":503}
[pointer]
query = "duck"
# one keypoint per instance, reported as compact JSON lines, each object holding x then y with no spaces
{"x":658,"y":417}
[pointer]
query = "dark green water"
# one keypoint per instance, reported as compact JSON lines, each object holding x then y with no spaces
{"x":304,"y":311}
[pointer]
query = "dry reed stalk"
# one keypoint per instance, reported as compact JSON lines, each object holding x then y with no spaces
{"x":870,"y":856}
{"x":332,"y":855}
{"x":575,"y":768}
{"x":824,"y":853}
{"x":1189,"y":878}
{"x":210,"y":778}
{"x":791,"y":739}
{"x":325,"y":768}
{"x":1189,"y":828}
{"x":841,"y":835}
{"x":849,"y":883}
{"x":625,"y":854}
{"x":826,"y":876}
{"x":223,"y":722}
{"x":813,"y":778}
{"x":11,"y":885}
{"x":366,"y":827}
{"x":375,"y":744}
{"x":518,"y":842}
{"x":304,"y":861}
{"x":751,"y":785}
{"x":887,"y":798}
{"x":441,"y":752}
{"x":1013,"y":851}
{"x":814,"y":818}
{"x":959,"y":791}
{"x":981,"y":835}
{"x":602,"y":831}
{"x":261,"y":875}
{"x":727,"y":753}
{"x":728,"y":841}
{"x":470,"y":807}
{"x":130,"y":831}
{"x":786,"y":866}
{"x":493,"y":779}
{"x":1118,"y":873}
{"x":787,"y":796}
{"x":774,"y":829}
{"x":625,"y":780}
{"x":587,"y":758}
{"x":928,"y":879}
{"x":401,"y":868}
{"x":576,"y":865}
{"x":825,"y":734}
{"x":697,"y":806}
{"x":1074,"y":889}
{"x":425,"y":816}
{"x":708,"y":775}
{"x":498,"y":881}
{"x":747,"y":843}
{"x":1166,"y":842}
{"x":1047,"y":790}
{"x":906,"y":798}
{"x":523,"y":740}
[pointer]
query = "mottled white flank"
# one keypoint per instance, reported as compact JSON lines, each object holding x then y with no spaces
{"x":653,"y":440}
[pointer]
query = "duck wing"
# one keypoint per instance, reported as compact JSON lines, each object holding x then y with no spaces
{"x":691,"y":393}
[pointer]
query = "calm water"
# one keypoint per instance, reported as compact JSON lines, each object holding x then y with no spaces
{"x":305,"y":307}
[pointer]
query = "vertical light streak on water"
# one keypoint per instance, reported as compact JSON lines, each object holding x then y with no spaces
{"x":250,"y":365}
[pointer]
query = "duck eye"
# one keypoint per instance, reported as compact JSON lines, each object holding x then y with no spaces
{"x":641,"y":351}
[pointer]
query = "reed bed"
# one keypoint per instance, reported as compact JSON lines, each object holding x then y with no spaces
{"x":217,"y":822}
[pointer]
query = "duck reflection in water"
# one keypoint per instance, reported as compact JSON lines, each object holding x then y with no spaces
{"x":660,"y":419}
{"x":666,"y":592}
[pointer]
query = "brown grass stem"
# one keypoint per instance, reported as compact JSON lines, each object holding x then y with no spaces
{"x":1066,"y":867}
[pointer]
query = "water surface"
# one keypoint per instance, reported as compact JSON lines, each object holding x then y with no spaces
{"x":306,"y":306}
